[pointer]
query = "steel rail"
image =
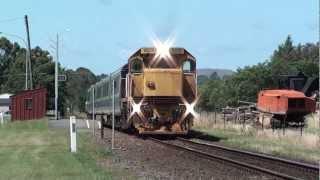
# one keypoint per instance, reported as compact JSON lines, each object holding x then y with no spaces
{"x":264,"y":156}
{"x":242,"y":164}
{"x":282,"y":165}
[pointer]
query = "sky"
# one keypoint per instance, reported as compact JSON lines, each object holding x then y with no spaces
{"x":102,"y":34}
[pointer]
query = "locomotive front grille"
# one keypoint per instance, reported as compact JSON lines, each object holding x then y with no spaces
{"x":162,"y":82}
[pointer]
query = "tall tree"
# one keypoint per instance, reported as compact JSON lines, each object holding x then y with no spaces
{"x":287,"y":59}
{"x":77,"y":85}
{"x":214,"y":76}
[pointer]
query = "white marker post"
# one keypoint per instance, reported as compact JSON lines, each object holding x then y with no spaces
{"x":1,"y":118}
{"x":73,"y":134}
{"x":88,"y":124}
{"x":93,"y":113}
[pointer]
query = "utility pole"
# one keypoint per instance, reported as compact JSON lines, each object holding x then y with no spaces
{"x":28,"y":65}
{"x":56,"y":79}
{"x":113,"y":116}
{"x":56,"y":75}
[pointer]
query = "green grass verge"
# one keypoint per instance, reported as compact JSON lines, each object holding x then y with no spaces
{"x":248,"y":137}
{"x":29,"y":150}
{"x":272,"y":146}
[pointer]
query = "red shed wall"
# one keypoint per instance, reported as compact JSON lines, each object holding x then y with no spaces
{"x":38,"y":104}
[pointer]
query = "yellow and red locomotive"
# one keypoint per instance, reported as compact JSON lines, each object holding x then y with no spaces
{"x":154,"y":93}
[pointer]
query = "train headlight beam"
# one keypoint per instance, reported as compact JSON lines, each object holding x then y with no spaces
{"x":136,"y":107}
{"x":190,"y":108}
{"x":163,"y":51}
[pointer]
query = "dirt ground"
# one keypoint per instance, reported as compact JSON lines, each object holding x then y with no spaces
{"x":138,"y":158}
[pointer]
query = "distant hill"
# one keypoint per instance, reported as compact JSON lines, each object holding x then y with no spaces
{"x":209,"y":71}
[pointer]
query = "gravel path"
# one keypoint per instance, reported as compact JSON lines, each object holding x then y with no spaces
{"x":143,"y":159}
{"x":64,"y":123}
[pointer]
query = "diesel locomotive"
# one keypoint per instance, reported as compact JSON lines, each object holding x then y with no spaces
{"x":154,"y":93}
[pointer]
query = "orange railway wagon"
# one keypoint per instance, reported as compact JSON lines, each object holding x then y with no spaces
{"x":288,"y":105}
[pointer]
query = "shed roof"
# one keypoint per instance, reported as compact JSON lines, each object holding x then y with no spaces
{"x":23,"y":92}
{"x":5,"y":96}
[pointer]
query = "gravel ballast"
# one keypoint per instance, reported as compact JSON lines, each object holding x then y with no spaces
{"x":140,"y":158}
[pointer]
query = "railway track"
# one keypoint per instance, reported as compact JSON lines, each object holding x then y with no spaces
{"x":263,"y":164}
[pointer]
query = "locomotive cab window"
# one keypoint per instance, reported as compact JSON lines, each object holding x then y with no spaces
{"x":136,"y":66}
{"x":188,"y":66}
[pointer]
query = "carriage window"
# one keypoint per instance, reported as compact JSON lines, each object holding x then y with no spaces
{"x":106,"y":89}
{"x":98,"y":92}
{"x":187,"y":66}
{"x":116,"y":86}
{"x":136,"y":66}
{"x":88,"y":96}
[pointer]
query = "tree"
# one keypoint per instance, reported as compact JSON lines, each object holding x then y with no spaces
{"x":214,"y":76}
{"x":12,"y":71}
{"x":285,"y":51}
{"x":246,"y":83}
{"x":77,"y":85}
{"x":202,"y":79}
{"x":212,"y":95}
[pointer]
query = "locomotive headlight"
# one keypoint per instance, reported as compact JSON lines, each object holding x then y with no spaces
{"x":163,"y":48}
{"x":190,"y":108}
{"x":163,"y":52}
{"x":136,"y":107}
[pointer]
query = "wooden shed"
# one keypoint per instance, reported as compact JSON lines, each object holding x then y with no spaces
{"x":29,"y":104}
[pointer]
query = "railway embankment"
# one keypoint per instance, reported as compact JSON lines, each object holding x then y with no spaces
{"x":290,"y":144}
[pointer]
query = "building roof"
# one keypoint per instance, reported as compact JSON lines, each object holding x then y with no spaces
{"x":24,"y":92}
{"x":5,"y":96}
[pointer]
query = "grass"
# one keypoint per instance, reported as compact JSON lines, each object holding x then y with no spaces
{"x":313,"y":126}
{"x":305,"y":147}
{"x":29,"y":150}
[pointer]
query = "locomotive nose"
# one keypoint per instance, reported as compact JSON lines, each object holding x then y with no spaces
{"x":162,"y":82}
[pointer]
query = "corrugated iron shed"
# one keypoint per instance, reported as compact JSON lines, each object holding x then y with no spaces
{"x":29,"y":104}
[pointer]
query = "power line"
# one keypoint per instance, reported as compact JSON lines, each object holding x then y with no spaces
{"x":10,"y":19}
{"x":12,"y":75}
{"x":15,"y":75}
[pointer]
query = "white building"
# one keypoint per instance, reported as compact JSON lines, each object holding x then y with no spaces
{"x":5,"y":102}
